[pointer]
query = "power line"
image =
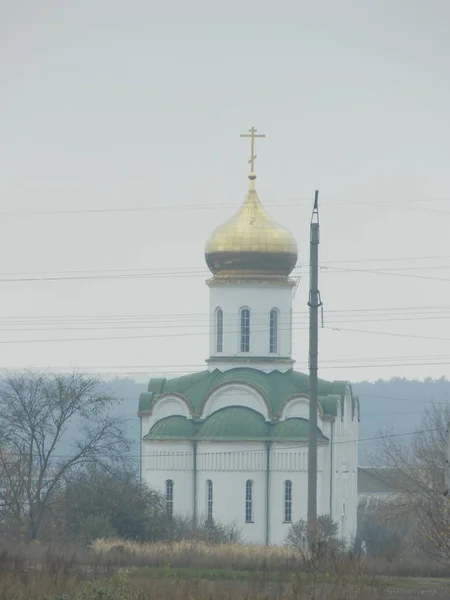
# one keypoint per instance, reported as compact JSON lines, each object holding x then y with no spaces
{"x":203,"y":333}
{"x":291,"y":202}
{"x":203,"y":273}
{"x":389,"y":333}
{"x":248,"y":451}
{"x":142,"y":324}
{"x":202,"y":269}
{"x":206,"y":316}
{"x":119,"y":370}
{"x":382,"y":272}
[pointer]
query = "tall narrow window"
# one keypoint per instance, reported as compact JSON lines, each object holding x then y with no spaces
{"x":219,"y":330}
{"x":288,"y":501}
{"x":249,"y":501}
{"x":245,"y":330}
{"x":169,"y":497}
{"x":273,"y":339}
{"x":209,"y":500}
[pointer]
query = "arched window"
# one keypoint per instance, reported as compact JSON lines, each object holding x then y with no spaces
{"x":288,"y":501}
{"x":249,"y":501}
{"x":209,"y":499}
{"x":219,"y":330}
{"x":273,"y":333}
{"x":245,"y":330}
{"x":169,"y":497}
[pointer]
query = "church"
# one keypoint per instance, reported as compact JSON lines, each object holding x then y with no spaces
{"x":230,"y":443}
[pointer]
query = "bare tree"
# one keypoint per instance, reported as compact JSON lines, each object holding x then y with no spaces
{"x":37,"y":414}
{"x":415,"y":472}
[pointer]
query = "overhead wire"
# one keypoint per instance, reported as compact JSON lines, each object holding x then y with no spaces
{"x":205,"y":333}
{"x":248,"y":450}
{"x":203,"y":273}
{"x":291,"y":202}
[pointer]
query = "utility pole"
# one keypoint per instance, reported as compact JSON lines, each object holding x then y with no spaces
{"x":314,"y":305}
{"x":447,"y":465}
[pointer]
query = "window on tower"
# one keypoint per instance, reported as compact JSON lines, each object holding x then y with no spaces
{"x":219,"y":330}
{"x":209,"y":500}
{"x":169,"y":498}
{"x":273,"y":331}
{"x":245,"y":330}
{"x":249,"y":501}
{"x":288,"y":501}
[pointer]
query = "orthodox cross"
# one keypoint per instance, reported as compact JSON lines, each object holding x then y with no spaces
{"x":252,"y":134}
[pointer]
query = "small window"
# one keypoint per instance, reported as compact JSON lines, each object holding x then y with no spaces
{"x":273,"y":339}
{"x":245,"y":330}
{"x":219,"y":330}
{"x":288,"y":501}
{"x":249,"y":501}
{"x":169,"y":498}
{"x":209,"y":500}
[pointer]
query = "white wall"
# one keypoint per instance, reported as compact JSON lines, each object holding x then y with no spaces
{"x":345,"y":496}
{"x":229,"y":466}
{"x":235,"y":395}
{"x":162,"y":461}
{"x":290,"y":463}
{"x":260,"y":299}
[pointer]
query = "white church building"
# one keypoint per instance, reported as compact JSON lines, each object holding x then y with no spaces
{"x":230,"y":443}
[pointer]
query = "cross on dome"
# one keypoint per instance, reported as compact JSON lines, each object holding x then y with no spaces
{"x":252,"y":135}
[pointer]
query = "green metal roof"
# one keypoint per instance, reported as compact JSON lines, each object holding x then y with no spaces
{"x":293,"y":429}
{"x":174,"y":427}
{"x":234,"y":423}
{"x":275,"y":387}
{"x":330,"y":404}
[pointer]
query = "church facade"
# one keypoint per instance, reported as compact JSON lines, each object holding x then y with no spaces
{"x":230,"y":443}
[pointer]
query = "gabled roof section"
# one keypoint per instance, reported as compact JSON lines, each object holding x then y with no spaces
{"x":231,"y":424}
{"x":383,"y":480}
{"x":293,"y":430}
{"x":172,"y":428}
{"x":330,"y":404}
{"x":275,"y":387}
{"x":234,"y":423}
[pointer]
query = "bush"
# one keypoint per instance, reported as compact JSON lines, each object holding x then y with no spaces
{"x":208,"y":530}
{"x":103,"y":503}
{"x":327,"y":535}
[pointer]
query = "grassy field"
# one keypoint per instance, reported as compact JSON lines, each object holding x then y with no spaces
{"x":120,"y":571}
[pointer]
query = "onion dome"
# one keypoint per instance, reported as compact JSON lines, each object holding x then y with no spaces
{"x":251,"y":245}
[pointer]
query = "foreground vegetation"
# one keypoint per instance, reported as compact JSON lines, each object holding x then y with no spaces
{"x":111,"y":569}
{"x":81,"y":526}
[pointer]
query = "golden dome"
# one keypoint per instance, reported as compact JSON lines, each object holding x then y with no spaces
{"x":251,"y":244}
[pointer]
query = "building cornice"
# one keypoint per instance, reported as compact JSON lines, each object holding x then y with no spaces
{"x":256,"y":281}
{"x":249,"y":360}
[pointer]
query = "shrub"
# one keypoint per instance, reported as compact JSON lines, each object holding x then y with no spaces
{"x":327,"y":535}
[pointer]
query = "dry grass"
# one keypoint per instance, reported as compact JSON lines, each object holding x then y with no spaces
{"x":116,"y":570}
{"x":200,"y":554}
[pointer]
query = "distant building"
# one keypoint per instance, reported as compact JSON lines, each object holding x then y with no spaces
{"x":229,"y":443}
{"x":375,"y":485}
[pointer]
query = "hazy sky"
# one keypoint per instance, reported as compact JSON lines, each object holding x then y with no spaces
{"x":127,"y":105}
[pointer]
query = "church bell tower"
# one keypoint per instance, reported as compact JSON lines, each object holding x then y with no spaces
{"x":251,"y":258}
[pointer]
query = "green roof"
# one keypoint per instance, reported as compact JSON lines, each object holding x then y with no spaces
{"x":234,"y":423}
{"x":293,"y":429}
{"x":174,"y":427}
{"x":330,"y":404}
{"x":275,"y":387}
